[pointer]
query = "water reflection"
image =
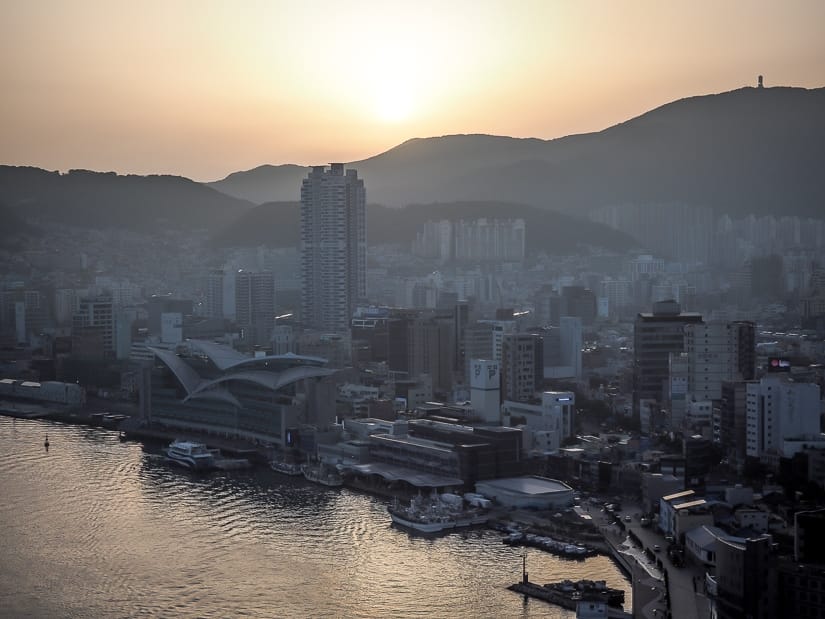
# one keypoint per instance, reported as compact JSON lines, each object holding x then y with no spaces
{"x":97,"y":527}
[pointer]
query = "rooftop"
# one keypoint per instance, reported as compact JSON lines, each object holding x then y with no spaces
{"x":678,"y":495}
{"x":532,"y":485}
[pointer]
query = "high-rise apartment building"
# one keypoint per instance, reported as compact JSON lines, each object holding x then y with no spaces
{"x":333,"y":247}
{"x":255,"y":306}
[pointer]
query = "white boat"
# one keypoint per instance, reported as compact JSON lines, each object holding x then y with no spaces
{"x":192,"y":455}
{"x":434,"y":514}
{"x":322,"y":474}
{"x":286,"y":468}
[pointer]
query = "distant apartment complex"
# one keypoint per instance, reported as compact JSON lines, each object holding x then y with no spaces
{"x":333,"y":247}
{"x":477,"y":240}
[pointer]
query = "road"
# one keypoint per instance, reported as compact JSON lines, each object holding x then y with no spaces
{"x":686,"y":601}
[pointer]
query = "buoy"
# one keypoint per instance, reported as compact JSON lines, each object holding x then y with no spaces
{"x":46,"y":443}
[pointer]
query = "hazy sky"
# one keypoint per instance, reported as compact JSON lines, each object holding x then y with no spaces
{"x":206,"y":88}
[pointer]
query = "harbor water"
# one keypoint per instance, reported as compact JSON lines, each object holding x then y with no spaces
{"x":93,"y":527}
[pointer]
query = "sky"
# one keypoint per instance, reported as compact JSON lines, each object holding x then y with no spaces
{"x":203,"y":88}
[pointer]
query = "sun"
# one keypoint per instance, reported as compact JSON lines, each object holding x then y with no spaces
{"x":393,"y":102}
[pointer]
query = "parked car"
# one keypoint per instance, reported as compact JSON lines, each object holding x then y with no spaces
{"x":627,"y":519}
{"x":656,"y":548}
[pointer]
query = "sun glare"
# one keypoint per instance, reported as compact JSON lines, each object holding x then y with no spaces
{"x":393,"y":103}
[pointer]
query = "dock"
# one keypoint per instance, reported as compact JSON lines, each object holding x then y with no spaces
{"x":546,"y":594}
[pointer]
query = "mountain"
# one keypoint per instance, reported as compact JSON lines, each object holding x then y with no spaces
{"x":266,"y":183}
{"x":277,"y":224}
{"x":14,"y":230}
{"x":106,"y":199}
{"x":749,"y":150}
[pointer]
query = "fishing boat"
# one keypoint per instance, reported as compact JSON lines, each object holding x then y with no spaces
{"x":436,"y":513}
{"x":320,"y":473}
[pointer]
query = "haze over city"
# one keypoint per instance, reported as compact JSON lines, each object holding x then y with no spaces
{"x":202,"y":89}
{"x":401,"y":309}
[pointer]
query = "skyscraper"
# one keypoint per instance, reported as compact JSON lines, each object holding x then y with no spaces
{"x":333,"y":247}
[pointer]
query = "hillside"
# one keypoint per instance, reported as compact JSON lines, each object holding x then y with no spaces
{"x":745,"y":151}
{"x":14,"y":230}
{"x":278,"y":224}
{"x":102,"y":200}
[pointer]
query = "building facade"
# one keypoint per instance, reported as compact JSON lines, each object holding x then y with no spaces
{"x":655,"y":336}
{"x":212,"y":388}
{"x":333,"y":247}
{"x":255,"y":306}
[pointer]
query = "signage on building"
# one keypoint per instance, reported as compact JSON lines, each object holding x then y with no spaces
{"x":777,"y":364}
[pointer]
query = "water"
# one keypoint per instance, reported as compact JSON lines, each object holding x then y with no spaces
{"x":99,"y":528}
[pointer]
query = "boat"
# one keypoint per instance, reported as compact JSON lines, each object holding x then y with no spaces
{"x":548,"y":544}
{"x":322,"y":474}
{"x":436,"y":513}
{"x":286,"y":468}
{"x":192,"y":455}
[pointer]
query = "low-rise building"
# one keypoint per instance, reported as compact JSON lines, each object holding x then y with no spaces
{"x":527,"y":492}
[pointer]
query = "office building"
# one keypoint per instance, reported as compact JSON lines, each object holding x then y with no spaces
{"x":485,"y":390}
{"x":718,"y":352}
{"x":522,"y":366}
{"x":778,"y":409}
{"x":333,"y":247}
{"x":255,"y":307}
{"x":214,"y":294}
{"x":93,"y":329}
{"x":656,"y":336}
{"x":733,"y":419}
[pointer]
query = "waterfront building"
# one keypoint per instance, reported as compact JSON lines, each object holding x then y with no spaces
{"x":333,"y":247}
{"x":531,"y":492}
{"x":427,"y":453}
{"x":93,"y":329}
{"x":546,"y":425}
{"x":213,"y":388}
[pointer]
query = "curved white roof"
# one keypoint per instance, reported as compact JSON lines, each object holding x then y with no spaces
{"x":225,"y":357}
{"x":269,"y":380}
{"x":187,"y":376}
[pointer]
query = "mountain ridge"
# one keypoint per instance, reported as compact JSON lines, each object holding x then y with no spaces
{"x":746,"y":148}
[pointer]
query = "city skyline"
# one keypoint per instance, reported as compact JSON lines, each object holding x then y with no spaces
{"x":203,"y":90}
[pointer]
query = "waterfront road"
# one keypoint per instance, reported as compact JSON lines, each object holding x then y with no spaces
{"x":685,"y":584}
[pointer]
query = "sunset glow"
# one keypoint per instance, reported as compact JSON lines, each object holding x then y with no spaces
{"x":206,"y":88}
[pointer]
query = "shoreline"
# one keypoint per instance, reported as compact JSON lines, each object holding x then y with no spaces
{"x":261,"y":456}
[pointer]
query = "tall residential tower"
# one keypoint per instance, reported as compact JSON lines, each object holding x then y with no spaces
{"x":333,"y":247}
